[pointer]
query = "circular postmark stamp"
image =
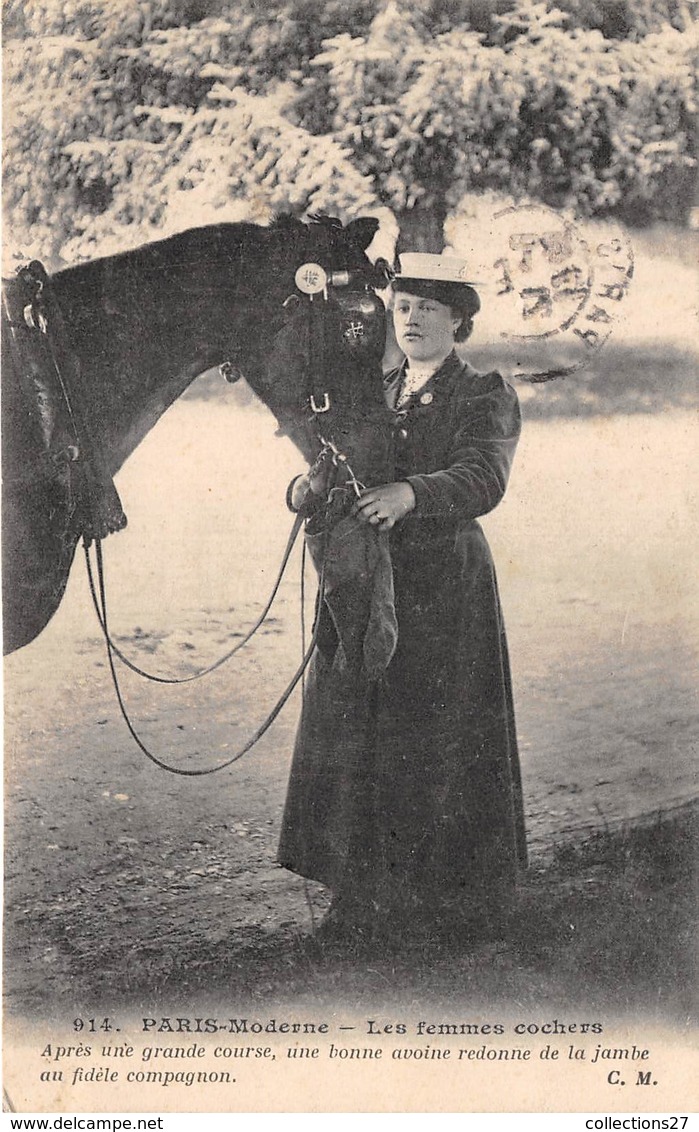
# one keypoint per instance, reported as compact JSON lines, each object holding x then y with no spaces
{"x":553,"y":287}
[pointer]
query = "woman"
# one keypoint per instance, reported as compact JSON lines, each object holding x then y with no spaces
{"x":405,"y":795}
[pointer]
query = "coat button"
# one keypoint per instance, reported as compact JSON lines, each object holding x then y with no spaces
{"x":403,"y":433}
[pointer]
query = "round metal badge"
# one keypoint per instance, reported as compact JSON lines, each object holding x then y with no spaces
{"x":311,"y":278}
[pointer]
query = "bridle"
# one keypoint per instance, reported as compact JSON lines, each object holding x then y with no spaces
{"x":48,"y":374}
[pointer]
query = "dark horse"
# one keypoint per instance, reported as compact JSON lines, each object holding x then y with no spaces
{"x":93,"y":355}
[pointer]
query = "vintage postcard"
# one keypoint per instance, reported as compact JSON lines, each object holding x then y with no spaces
{"x":349,"y":557}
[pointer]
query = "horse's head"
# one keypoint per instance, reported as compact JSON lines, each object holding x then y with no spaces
{"x":319,"y":369}
{"x":291,"y":307}
{"x":308,"y":325}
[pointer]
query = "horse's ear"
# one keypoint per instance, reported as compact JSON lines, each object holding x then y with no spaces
{"x":284,"y":221}
{"x":362,"y":231}
{"x":325,"y":220}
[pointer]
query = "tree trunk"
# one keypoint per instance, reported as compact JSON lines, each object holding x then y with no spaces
{"x":422,"y":228}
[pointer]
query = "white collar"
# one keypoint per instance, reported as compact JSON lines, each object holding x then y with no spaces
{"x":415,"y":376}
{"x":417,"y":373}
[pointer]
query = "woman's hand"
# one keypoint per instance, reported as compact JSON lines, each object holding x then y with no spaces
{"x":384,"y":506}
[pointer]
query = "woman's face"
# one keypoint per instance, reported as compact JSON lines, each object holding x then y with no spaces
{"x":425,"y":329}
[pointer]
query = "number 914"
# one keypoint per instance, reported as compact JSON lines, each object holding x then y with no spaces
{"x":92,"y":1025}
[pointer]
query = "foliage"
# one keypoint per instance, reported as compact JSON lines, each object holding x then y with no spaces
{"x":126,"y":118}
{"x":563,"y":116}
{"x":234,"y":158}
{"x":144,"y":128}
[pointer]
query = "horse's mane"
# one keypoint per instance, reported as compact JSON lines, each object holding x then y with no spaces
{"x":210,"y":241}
{"x":225,"y":242}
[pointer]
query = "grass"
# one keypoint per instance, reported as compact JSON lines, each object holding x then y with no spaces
{"x":609,"y":919}
{"x":618,"y":909}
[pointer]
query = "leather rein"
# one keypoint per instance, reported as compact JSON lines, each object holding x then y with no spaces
{"x":100,"y":603}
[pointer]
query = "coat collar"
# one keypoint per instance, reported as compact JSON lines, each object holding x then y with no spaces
{"x":438,"y":385}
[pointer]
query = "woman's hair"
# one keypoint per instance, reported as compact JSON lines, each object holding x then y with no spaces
{"x":461,"y":297}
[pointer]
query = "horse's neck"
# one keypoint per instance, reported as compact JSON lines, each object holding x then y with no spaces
{"x":142,"y":328}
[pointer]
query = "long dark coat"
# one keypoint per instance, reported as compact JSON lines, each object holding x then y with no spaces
{"x":410,"y":786}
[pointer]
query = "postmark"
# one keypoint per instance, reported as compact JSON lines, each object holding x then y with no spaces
{"x":554,"y":287}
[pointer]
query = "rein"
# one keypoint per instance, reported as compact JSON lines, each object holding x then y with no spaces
{"x":99,"y":598}
{"x":101,"y":605}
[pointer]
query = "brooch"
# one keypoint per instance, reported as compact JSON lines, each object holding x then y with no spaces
{"x":426,"y":399}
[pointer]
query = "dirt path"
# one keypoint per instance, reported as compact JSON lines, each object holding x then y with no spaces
{"x":119,"y":874}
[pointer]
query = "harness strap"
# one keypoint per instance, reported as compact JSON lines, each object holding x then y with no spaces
{"x":260,"y":730}
{"x":316,"y":349}
{"x":295,"y":529}
{"x":46,"y":404}
{"x":97,"y":511}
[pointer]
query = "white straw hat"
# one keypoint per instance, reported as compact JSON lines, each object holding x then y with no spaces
{"x":438,"y":268}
